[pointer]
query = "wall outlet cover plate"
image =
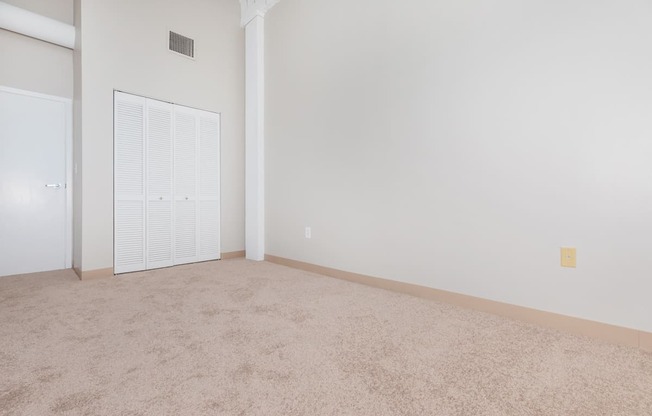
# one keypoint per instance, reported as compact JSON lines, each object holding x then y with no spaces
{"x":568,"y":257}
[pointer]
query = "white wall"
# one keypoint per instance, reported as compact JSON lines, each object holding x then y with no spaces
{"x":124,"y":47}
{"x":61,"y":10}
{"x":31,"y":64}
{"x":460,"y":144}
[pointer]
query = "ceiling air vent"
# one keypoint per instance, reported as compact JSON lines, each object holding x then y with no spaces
{"x":181,"y":44}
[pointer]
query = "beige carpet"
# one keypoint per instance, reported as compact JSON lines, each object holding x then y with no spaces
{"x":244,"y":338}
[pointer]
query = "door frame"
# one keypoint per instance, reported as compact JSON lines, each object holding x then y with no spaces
{"x":68,"y":162}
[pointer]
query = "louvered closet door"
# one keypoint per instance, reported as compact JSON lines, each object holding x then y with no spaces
{"x":167,"y":184}
{"x":159,"y":184}
{"x":209,"y":186}
{"x":129,"y":183}
{"x":185,"y":185}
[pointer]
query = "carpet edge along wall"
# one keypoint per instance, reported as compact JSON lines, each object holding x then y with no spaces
{"x":577,"y":326}
{"x":108,"y":272}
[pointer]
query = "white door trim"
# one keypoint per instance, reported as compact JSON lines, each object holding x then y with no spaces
{"x":69,"y":171}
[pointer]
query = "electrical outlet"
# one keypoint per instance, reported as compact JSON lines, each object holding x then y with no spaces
{"x":568,"y":257}
{"x":308,"y":232}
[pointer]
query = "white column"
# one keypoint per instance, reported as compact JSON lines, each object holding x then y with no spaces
{"x":253,"y":12}
{"x":255,"y":139}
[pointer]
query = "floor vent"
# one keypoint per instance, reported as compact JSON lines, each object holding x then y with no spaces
{"x":181,"y":44}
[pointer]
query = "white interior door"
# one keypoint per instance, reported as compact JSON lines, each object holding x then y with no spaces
{"x":34,"y":221}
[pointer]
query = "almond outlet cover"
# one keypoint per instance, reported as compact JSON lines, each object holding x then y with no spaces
{"x":568,"y":257}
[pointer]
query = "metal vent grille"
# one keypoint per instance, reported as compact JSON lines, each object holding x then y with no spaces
{"x":182,"y":44}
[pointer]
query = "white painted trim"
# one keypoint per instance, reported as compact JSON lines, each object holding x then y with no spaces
{"x":36,"y":26}
{"x":255,"y":139}
{"x":254,"y":8}
{"x":69,"y":187}
{"x":69,"y":162}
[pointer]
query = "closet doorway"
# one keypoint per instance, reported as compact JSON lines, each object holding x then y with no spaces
{"x":166,"y":184}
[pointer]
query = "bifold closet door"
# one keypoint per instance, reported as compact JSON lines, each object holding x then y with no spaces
{"x":159,"y":211}
{"x":167,"y":184}
{"x":129,"y":183}
{"x":185,"y":185}
{"x":196,"y":185}
{"x":209,"y":186}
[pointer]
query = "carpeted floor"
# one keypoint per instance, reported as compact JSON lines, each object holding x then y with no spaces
{"x":245,"y":338}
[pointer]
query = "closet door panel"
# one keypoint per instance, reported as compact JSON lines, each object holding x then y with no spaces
{"x":185,"y":235}
{"x":159,"y":184}
{"x":185,"y":154}
{"x":185,"y":185}
{"x":209,"y":230}
{"x":209,"y":155}
{"x":159,"y":234}
{"x":129,"y":236}
{"x":209,"y":186}
{"x":129,"y":183}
